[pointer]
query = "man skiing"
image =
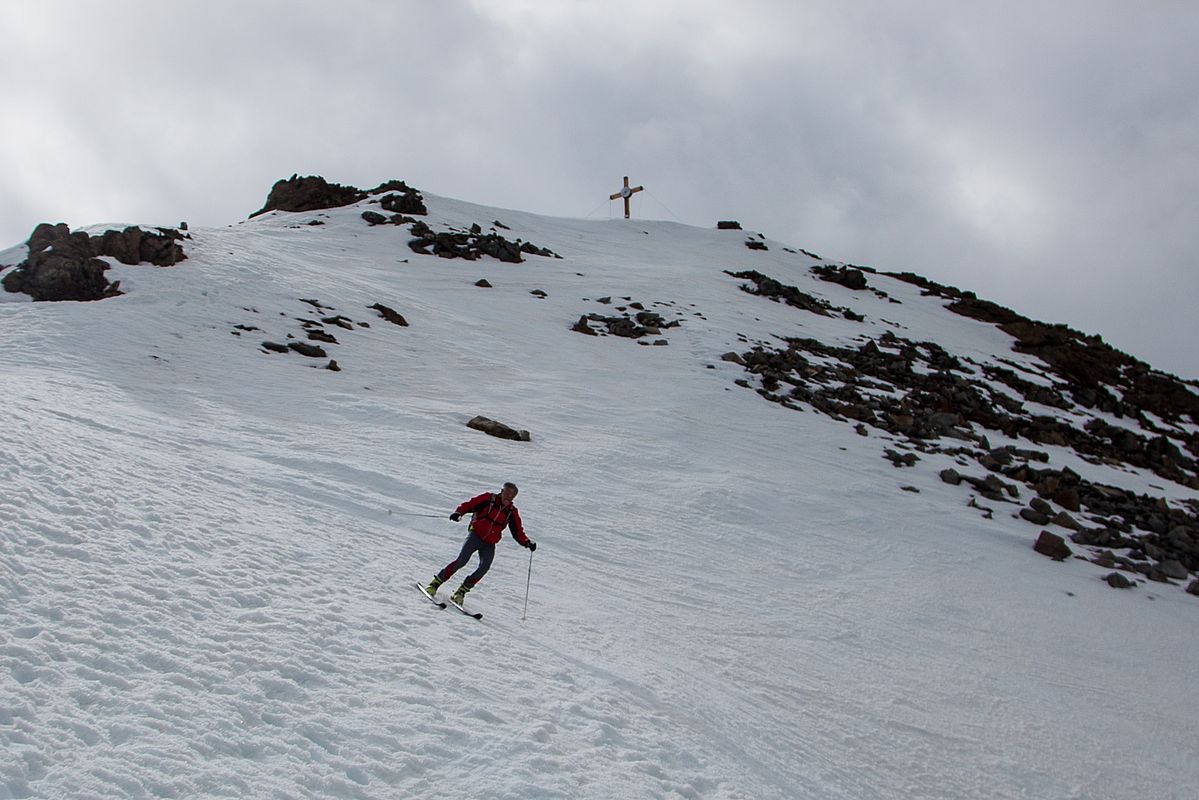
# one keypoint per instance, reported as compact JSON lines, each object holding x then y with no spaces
{"x":491,"y":513}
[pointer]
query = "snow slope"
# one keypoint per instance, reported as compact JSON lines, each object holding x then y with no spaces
{"x":206,"y":549}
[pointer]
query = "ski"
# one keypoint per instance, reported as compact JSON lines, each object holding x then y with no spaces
{"x":430,"y":597}
{"x":475,"y":614}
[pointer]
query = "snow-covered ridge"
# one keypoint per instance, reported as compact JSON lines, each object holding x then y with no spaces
{"x":207,"y":546}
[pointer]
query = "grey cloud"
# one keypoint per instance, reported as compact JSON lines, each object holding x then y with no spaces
{"x":1042,"y":155}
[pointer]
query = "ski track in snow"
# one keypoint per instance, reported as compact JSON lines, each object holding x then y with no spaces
{"x":206,"y":550}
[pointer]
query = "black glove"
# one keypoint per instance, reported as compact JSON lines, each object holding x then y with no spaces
{"x":455,"y":517}
{"x":532,"y":545}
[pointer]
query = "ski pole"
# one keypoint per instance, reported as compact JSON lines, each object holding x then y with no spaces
{"x":413,"y":514}
{"x":527,"y":584}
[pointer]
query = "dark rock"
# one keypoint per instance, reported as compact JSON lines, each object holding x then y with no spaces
{"x":728,"y":225}
{"x":333,"y":366}
{"x":1035,"y":517}
{"x":470,"y":246}
{"x":374,"y":218}
{"x":951,"y":476}
{"x":1040,"y":506}
{"x":1193,"y":587}
{"x":944,"y":421}
{"x":754,"y":244}
{"x":620,"y":326}
{"x":497,"y":429}
{"x":1156,"y":575}
{"x":483,"y":283}
{"x":1066,"y":521}
{"x":582,"y":327}
{"x":389,"y":314}
{"x":791,"y":295}
{"x":309,"y":194}
{"x":534,"y":250}
{"x":135,"y":246}
{"x":848,"y":277}
{"x":1118,"y":581}
{"x":901,"y":459}
{"x":275,"y":347}
{"x":309,"y":350}
{"x":1173,"y":569}
{"x":407,"y":201}
{"x":1052,"y":545}
{"x":1068,"y":499}
{"x":61,"y":266}
{"x":918,"y":391}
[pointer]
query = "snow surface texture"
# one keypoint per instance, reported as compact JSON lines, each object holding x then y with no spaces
{"x":207,"y":550}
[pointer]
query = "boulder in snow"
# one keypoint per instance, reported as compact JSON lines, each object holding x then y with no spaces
{"x":1052,"y":545}
{"x":497,"y":429}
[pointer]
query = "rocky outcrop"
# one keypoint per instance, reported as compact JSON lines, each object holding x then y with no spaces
{"x":938,"y":403}
{"x":766,"y":286}
{"x":67,"y":266}
{"x":313,"y":192}
{"x":471,"y":245}
{"x":390,"y":314}
{"x":135,"y":246}
{"x":309,"y":350}
{"x":309,"y":194}
{"x":497,"y":429}
{"x":316,"y":329}
{"x":1096,"y":374}
{"x":846,"y":276}
{"x":634,"y":322}
{"x":60,"y":266}
{"x":941,"y":396}
{"x":403,"y":200}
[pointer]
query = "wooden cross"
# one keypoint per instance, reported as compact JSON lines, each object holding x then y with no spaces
{"x":626,"y":193}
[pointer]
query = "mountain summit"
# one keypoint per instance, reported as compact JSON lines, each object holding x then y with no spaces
{"x":806,"y":528}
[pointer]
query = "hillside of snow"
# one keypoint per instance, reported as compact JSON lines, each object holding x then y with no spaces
{"x":208,"y":549}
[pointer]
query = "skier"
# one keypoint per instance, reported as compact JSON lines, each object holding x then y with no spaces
{"x":491,"y":513}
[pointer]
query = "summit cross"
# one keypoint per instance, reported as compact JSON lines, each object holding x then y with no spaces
{"x":626,"y":193}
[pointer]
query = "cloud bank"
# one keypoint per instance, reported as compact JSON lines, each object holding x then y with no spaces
{"x":1042,"y":156}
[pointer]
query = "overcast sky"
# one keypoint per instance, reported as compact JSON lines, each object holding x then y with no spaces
{"x":1043,"y":154}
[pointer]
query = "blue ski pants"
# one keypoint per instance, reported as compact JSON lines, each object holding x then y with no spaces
{"x":472,"y":545}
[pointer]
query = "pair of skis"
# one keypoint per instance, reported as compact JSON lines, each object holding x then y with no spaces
{"x":442,"y":604}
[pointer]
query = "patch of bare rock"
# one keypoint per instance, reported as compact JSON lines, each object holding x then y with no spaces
{"x":634,"y":321}
{"x":498,"y":429}
{"x":933,"y":402}
{"x":315,"y":331}
{"x":68,"y":266}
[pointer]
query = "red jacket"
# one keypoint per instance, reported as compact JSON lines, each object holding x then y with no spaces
{"x":490,"y":518}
